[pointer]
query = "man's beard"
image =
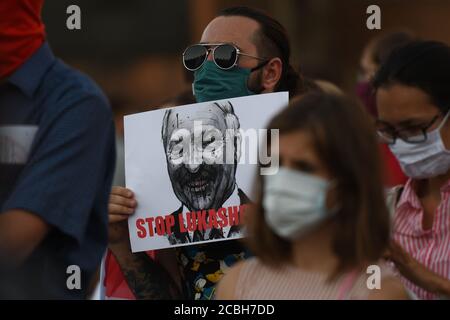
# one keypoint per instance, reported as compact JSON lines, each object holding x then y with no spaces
{"x":254,"y":83}
{"x":197,"y":190}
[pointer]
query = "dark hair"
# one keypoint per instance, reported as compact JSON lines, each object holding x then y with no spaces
{"x":421,"y":64}
{"x":344,"y":139}
{"x":271,"y":41}
{"x":385,"y":44}
{"x":182,"y":98}
{"x":309,"y":85}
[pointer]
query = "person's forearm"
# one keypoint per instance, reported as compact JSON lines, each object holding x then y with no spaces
{"x":146,"y":278}
{"x":444,"y":288}
{"x":438,"y":284}
{"x":427,"y":279}
{"x":20,"y":233}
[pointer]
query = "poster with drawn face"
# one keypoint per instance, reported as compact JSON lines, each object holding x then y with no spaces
{"x":192,"y":168}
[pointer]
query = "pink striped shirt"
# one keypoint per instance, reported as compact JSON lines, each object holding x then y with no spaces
{"x":429,"y":247}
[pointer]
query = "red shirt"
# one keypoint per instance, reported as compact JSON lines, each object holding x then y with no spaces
{"x":393,"y":173}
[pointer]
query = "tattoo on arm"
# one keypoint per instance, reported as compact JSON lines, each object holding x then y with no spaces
{"x":148,"y":279}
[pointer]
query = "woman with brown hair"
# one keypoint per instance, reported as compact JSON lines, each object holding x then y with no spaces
{"x":321,"y":221}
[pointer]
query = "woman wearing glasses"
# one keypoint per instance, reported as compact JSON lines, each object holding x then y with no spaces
{"x":413,"y":96}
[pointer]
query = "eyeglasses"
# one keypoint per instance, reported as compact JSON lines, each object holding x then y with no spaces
{"x":225,"y":56}
{"x":414,"y":134}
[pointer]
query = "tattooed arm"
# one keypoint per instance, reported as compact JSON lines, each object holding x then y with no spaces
{"x":147,"y":278}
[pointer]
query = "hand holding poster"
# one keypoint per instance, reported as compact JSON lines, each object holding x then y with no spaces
{"x":192,"y":168}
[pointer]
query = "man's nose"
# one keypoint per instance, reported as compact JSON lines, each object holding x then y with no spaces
{"x":193,"y":167}
{"x":195,"y":161}
{"x":209,"y":55}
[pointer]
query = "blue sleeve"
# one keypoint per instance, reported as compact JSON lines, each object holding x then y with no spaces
{"x":67,"y":171}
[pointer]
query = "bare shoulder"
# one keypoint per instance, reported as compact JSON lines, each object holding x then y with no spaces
{"x":391,"y":289}
{"x":227,"y":285}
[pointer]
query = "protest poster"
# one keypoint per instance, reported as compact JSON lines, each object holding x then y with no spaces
{"x":192,"y":169}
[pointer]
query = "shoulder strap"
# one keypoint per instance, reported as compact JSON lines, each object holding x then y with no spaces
{"x":347,"y":284}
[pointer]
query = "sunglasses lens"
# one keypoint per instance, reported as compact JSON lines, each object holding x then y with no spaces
{"x":194,"y":57}
{"x":225,"y":56}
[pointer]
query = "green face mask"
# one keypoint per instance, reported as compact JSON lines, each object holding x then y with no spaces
{"x":212,"y":83}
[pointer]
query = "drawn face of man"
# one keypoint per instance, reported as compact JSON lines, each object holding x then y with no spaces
{"x":198,"y":182}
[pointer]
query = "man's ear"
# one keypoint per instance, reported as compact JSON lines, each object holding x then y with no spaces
{"x":271,"y":74}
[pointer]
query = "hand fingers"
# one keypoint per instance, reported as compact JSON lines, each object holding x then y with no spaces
{"x":114,"y":209}
{"x":114,"y":218}
{"x":120,"y":200}
{"x":121,"y":191}
{"x":397,"y":254}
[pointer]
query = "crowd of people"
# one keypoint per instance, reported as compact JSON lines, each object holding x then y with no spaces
{"x":363,"y":181}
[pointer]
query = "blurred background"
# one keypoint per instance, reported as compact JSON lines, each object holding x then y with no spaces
{"x":133,"y":48}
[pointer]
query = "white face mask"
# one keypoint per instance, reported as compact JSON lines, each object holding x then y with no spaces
{"x":294,"y":202}
{"x":423,"y":160}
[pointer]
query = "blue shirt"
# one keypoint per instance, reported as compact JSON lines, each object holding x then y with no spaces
{"x":66,"y":178}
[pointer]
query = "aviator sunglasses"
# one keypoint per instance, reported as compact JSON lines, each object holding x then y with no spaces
{"x":225,"y":56}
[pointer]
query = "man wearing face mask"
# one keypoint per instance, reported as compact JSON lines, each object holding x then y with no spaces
{"x":242,"y":52}
{"x":413,"y":98}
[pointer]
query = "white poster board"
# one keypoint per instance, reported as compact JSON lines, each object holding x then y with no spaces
{"x":182,"y":198}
